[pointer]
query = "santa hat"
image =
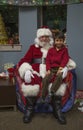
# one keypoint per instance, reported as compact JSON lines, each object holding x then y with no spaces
{"x":44,"y":31}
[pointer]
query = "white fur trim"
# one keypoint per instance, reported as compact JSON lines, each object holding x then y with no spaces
{"x":62,"y":89}
{"x":44,"y":32}
{"x":35,"y":72}
{"x":44,"y":52}
{"x":36,"y":42}
{"x":71,"y":64}
{"x":23,"y":68}
{"x":42,"y":70}
{"x":30,"y":90}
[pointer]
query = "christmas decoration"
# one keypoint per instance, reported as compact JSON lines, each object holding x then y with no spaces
{"x":6,"y":66}
{"x":3,"y":34}
{"x":38,"y":2}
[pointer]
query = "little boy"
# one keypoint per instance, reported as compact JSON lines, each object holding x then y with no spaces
{"x":57,"y":58}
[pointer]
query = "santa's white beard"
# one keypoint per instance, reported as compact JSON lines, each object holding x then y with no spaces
{"x":45,"y":45}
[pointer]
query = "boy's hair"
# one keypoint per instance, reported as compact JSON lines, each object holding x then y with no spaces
{"x":59,"y":35}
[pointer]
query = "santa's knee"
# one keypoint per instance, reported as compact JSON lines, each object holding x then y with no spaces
{"x":30,"y":90}
{"x":60,"y":91}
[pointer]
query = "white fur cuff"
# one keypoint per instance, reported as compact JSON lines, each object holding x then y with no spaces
{"x":42,"y":70}
{"x":23,"y":68}
{"x":71,"y":64}
{"x":30,"y":90}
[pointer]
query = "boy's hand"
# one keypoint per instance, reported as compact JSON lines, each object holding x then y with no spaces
{"x":59,"y":70}
{"x":48,"y":72}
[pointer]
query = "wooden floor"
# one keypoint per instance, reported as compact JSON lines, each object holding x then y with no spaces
{"x":11,"y":120}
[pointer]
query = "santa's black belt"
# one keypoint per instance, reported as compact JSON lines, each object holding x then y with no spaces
{"x":39,"y":60}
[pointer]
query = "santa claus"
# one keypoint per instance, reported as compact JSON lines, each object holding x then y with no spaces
{"x":32,"y":69}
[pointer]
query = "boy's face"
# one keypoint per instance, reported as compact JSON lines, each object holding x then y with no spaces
{"x":59,"y":42}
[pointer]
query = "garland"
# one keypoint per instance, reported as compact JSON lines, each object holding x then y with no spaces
{"x":37,"y":2}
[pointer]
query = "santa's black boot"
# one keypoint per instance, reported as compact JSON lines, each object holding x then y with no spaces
{"x":56,"y":103}
{"x":29,"y":109}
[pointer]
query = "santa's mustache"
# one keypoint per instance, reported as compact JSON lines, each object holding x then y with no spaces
{"x":44,"y":44}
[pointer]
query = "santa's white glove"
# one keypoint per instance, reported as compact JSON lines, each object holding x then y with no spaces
{"x":65,"y":71}
{"x":28,"y":75}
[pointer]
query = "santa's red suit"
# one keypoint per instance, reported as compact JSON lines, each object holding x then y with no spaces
{"x":32,"y":61}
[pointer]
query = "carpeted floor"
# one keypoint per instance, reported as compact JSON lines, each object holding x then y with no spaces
{"x":10,"y":120}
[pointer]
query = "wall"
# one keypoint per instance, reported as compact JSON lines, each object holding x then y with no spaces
{"x":27,"y":32}
{"x":75,"y":38}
